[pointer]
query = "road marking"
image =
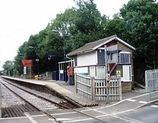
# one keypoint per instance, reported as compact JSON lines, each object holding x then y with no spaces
{"x":79,"y":120}
{"x":59,"y":119}
{"x":64,"y":113}
{"x":143,"y":102}
{"x":154,"y":106}
{"x":131,"y":100}
{"x":128,"y":119}
{"x":30,"y":118}
{"x":104,"y":113}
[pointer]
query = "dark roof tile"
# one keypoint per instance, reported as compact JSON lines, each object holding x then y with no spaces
{"x":88,"y":47}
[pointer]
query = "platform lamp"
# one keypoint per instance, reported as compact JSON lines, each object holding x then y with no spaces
{"x":37,"y":59}
{"x":62,"y":34}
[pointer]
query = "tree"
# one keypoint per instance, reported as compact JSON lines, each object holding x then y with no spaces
{"x":73,"y":28}
{"x":21,"y":54}
{"x":9,"y":66}
{"x":90,"y":25}
{"x":141,"y":25}
{"x":141,"y":31}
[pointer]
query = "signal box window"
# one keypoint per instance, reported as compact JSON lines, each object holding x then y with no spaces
{"x":124,"y":57}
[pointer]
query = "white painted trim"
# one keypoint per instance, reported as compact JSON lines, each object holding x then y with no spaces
{"x":120,"y":40}
{"x":124,"y":52}
{"x":125,"y":43}
{"x":104,"y":43}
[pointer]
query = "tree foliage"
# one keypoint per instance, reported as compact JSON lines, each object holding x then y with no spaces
{"x":141,"y":25}
{"x":8,"y":66}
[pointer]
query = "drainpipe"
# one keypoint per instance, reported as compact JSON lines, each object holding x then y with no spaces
{"x":70,"y":59}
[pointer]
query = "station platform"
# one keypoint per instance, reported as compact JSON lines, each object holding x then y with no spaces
{"x":68,"y":92}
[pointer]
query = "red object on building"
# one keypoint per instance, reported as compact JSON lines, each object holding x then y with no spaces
{"x":70,"y":71}
{"x":27,"y":63}
{"x":111,"y":65}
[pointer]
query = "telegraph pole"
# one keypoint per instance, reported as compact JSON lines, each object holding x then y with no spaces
{"x":106,"y":61}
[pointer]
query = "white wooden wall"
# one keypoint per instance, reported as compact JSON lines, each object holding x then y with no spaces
{"x":87,"y":59}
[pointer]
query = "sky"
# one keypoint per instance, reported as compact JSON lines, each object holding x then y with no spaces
{"x":21,"y":18}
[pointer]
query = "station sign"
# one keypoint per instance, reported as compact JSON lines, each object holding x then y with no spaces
{"x":27,"y":63}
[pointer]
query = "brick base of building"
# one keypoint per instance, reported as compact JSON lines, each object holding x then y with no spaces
{"x":126,"y":86}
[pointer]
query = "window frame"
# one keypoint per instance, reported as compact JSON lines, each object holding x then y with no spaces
{"x":124,"y":57}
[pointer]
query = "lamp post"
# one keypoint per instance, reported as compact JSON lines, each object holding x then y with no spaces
{"x":62,"y":34}
{"x":37,"y":59}
{"x":22,"y":57}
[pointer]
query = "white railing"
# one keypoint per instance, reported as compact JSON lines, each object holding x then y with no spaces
{"x":151,"y":80}
{"x":97,"y":89}
{"x":83,"y":86}
{"x":151,"y":83}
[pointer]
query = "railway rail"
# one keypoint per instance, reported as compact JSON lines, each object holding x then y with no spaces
{"x":44,"y":110}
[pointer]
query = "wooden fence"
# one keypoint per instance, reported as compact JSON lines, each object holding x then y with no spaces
{"x":98,"y":89}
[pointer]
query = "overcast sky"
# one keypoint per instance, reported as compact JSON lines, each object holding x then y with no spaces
{"x":21,"y":18}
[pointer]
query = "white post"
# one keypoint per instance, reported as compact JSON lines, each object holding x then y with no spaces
{"x":59,"y":70}
{"x":146,"y":82}
{"x":105,"y":50}
{"x":106,"y":73}
{"x":0,"y":101}
{"x":92,"y":89}
{"x":76,"y":83}
{"x":120,"y":86}
{"x":25,"y":72}
{"x":118,"y":75}
{"x":30,"y":72}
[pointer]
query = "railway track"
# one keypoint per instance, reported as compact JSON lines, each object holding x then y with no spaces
{"x":58,"y":102}
{"x":41,"y":109}
{"x":42,"y":106}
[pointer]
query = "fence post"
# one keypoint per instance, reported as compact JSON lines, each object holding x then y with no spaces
{"x":92,"y":89}
{"x":75,"y":81}
{"x":146,"y":82}
{"x":118,"y":75}
{"x":120,"y":86}
{"x":0,"y":101}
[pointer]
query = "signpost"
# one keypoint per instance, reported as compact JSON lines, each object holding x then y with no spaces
{"x":27,"y":63}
